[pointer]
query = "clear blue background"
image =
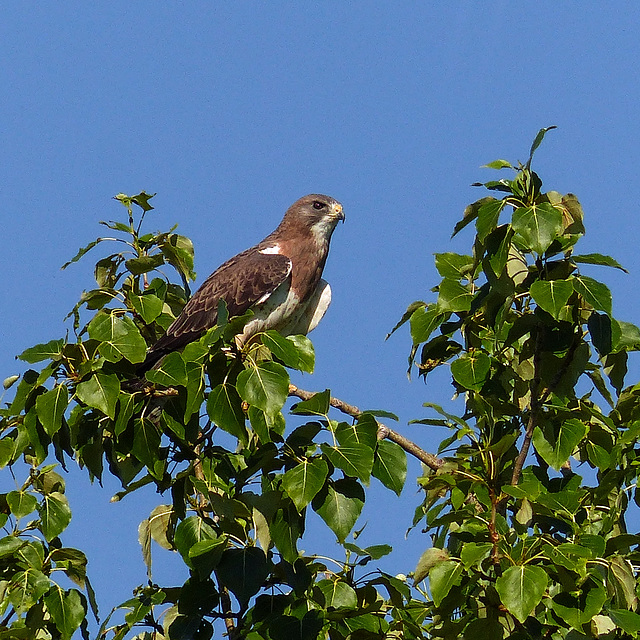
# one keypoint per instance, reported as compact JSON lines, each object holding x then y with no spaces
{"x":230,"y":113}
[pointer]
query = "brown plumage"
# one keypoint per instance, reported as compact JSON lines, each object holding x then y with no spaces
{"x":280,"y":279}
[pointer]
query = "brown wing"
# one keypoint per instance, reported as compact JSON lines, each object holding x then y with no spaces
{"x":248,"y":278}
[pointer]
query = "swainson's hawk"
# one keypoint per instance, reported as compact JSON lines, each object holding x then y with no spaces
{"x":280,"y":280}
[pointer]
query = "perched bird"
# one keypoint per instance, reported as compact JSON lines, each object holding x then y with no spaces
{"x":279,"y":279}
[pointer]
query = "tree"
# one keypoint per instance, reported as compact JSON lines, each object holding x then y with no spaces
{"x":521,"y":545}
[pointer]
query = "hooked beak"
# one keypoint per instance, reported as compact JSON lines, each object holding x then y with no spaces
{"x":338,"y":212}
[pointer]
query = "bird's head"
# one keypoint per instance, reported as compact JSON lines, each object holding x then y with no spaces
{"x":318,"y":213}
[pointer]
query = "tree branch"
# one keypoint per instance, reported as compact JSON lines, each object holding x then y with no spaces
{"x":433,"y":462}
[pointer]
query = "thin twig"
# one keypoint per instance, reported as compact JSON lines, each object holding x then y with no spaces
{"x":433,"y":462}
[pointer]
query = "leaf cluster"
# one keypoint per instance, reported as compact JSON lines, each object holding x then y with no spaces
{"x":522,"y":545}
{"x":206,"y":428}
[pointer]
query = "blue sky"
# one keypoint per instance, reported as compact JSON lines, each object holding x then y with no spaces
{"x":232,"y":113}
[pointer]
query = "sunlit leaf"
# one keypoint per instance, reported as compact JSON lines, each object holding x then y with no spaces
{"x":537,"y":226}
{"x":337,"y":594}
{"x":101,"y":392}
{"x":171,"y":372}
{"x":390,"y":465}
{"x":442,"y":577}
{"x":453,"y":296}
{"x":354,"y":459}
{"x":303,"y":482}
{"x":597,"y":258}
{"x":50,"y":407}
{"x":224,"y":407}
{"x":317,"y":405}
{"x":265,"y":385}
{"x":521,"y":589}
{"x":570,"y":433}
{"x":551,"y":295}
{"x":48,"y":351}
{"x":340,"y":505}
{"x":471,"y":370}
{"x":66,"y":609}
{"x":21,"y":503}
{"x":55,"y":514}
{"x":594,"y":293}
{"x":424,"y":321}
{"x":294,"y":351}
{"x":119,"y":337}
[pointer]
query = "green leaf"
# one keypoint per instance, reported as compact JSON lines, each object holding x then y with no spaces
{"x":224,"y":407}
{"x":453,"y":297}
{"x":81,"y":252}
{"x":429,"y":559}
{"x":316,"y":405}
{"x":337,"y":594}
{"x":126,"y":406}
{"x":621,"y":577}
{"x":205,"y":555}
{"x":339,"y":505}
{"x":594,"y":293}
{"x":243,"y":572}
{"x":424,"y":321}
{"x":49,"y":351}
{"x":21,"y":503}
{"x":390,"y":465}
{"x":551,"y":295}
{"x":570,"y":433}
{"x":303,"y":482}
{"x":50,"y":407}
{"x":66,"y":609}
{"x":628,"y":621}
{"x":55,"y":515}
{"x":285,"y":530}
{"x":442,"y":577}
{"x":101,"y":392}
{"x":521,"y":589}
{"x":354,"y":459}
{"x":474,"y":552}
{"x":144,"y":264}
{"x":470,"y":214}
{"x":629,"y":338}
{"x":189,"y":532}
{"x":364,"y":431}
{"x":579,"y":611}
{"x":471,"y":370}
{"x":294,"y":351}
{"x":488,"y":216}
{"x":142,"y":200}
{"x":265,"y":385}
{"x":601,"y":329}
{"x":453,"y":265}
{"x":598,"y":258}
{"x":160,"y":523}
{"x":119,"y":338}
{"x":171,"y":372}
{"x":147,"y":305}
{"x":538,"y":141}
{"x":537,"y":226}
{"x":498,"y":164}
{"x":146,"y":442}
{"x":178,"y":251}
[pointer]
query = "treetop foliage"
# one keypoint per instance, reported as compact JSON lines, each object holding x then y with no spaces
{"x":521,"y":545}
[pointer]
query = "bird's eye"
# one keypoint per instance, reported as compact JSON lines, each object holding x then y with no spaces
{"x":318,"y":205}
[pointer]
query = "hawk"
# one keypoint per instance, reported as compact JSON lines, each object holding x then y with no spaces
{"x":279,"y":279}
